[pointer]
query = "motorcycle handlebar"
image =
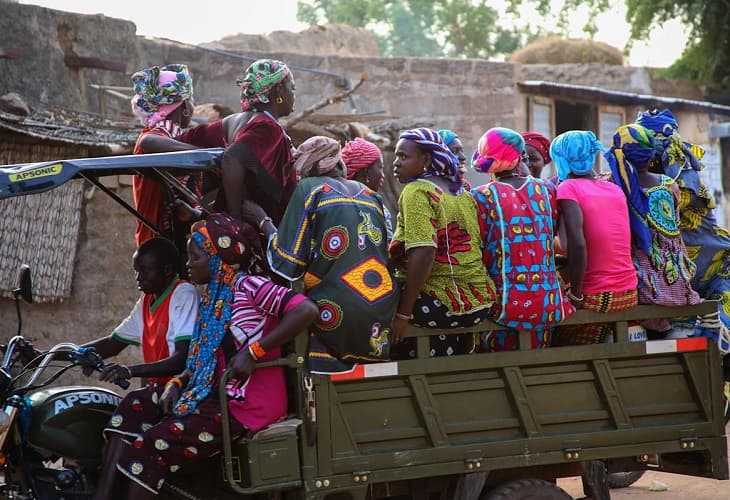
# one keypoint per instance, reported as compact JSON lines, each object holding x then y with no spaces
{"x":86,"y":357}
{"x":90,"y":360}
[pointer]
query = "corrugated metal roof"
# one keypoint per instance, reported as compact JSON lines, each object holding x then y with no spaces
{"x":584,"y":92}
{"x":72,"y":127}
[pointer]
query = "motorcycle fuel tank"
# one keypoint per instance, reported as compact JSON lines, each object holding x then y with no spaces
{"x":68,"y":421}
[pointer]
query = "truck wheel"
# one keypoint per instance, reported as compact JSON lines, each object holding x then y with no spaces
{"x":617,"y":480}
{"x":526,"y":489}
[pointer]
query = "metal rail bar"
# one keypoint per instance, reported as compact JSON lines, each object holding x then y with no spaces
{"x":122,"y":202}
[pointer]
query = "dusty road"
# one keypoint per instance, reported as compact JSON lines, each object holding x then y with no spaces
{"x":679,"y":487}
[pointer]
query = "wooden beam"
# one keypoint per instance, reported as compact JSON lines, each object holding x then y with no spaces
{"x":94,"y":62}
{"x":11,"y":53}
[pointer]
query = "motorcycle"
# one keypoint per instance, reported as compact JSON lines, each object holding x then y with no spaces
{"x":50,"y":437}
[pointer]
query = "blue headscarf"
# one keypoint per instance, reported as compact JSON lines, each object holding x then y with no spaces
{"x":447,"y":136}
{"x":676,"y":154}
{"x":633,"y":146}
{"x":574,"y":152}
{"x":662,"y":123}
{"x":444,"y":163}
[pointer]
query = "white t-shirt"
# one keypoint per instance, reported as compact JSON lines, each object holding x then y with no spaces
{"x":148,"y":321}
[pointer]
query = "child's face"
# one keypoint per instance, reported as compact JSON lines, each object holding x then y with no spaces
{"x":197,"y":264}
{"x":150,"y":274}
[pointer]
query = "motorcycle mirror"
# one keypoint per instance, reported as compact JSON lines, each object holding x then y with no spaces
{"x":24,"y":288}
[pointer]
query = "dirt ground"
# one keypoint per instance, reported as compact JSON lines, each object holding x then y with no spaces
{"x":678,"y":487}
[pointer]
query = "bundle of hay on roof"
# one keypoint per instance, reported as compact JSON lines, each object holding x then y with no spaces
{"x":558,"y":50}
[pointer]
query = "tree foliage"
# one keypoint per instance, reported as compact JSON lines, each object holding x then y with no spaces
{"x":453,"y":28}
{"x":706,"y":58}
{"x":469,"y":28}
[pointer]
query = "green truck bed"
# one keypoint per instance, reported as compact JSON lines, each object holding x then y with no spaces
{"x":519,"y":414}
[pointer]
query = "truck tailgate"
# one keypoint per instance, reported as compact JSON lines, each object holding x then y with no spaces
{"x":492,"y":411}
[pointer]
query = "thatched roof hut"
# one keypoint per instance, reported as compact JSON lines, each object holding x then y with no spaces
{"x":42,"y":230}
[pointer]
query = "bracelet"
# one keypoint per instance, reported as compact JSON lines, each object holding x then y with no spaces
{"x":175,"y":380}
{"x":573,"y":297}
{"x":400,"y":315}
{"x":263,"y":221}
{"x":256,"y":351}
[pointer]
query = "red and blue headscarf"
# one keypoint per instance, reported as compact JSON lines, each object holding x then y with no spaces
{"x":444,"y":163}
{"x":499,"y":149}
{"x":631,"y":148}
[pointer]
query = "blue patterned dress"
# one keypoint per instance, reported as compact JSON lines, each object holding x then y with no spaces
{"x":517,"y":233}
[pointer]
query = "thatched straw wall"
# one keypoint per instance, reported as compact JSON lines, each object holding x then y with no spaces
{"x":40,"y":230}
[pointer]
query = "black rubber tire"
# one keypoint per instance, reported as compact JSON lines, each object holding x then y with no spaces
{"x":618,"y":480}
{"x":526,"y":489}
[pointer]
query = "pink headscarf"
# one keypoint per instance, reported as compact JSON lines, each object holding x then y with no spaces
{"x":499,"y":149}
{"x":359,"y":155}
{"x":318,"y":155}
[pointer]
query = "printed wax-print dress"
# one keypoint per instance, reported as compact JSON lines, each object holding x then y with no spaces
{"x":518,"y":227}
{"x":338,"y":245}
{"x":665,"y":274}
{"x":707,"y":243}
{"x":458,"y":293}
{"x":158,"y":444}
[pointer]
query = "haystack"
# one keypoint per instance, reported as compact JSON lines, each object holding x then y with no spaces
{"x":558,"y":50}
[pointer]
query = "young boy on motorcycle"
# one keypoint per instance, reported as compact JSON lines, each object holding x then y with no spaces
{"x":244,"y":319}
{"x":162,"y":320}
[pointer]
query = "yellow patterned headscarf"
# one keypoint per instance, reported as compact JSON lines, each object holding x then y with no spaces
{"x":631,"y":149}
